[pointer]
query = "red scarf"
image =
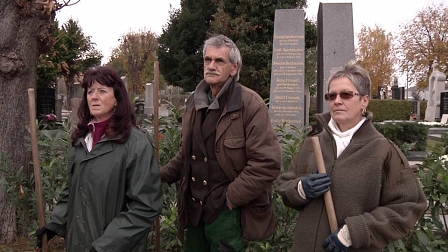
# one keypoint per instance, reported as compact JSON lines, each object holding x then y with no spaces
{"x":97,"y":129}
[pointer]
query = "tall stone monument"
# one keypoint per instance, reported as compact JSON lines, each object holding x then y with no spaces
{"x":436,"y":87}
{"x":335,"y":44}
{"x":288,"y":102}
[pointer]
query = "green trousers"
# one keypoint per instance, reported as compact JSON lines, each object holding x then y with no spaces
{"x":226,"y":229}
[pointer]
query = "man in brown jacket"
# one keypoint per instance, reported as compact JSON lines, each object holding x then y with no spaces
{"x":229,"y":158}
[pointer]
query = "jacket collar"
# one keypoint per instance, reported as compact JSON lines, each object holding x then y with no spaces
{"x":324,"y":118}
{"x":200,"y":100}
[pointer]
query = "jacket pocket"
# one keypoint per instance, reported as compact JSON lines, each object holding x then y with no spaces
{"x":258,"y":219}
{"x":235,"y":153}
{"x":235,"y":143}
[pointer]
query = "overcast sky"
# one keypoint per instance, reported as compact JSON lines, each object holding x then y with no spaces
{"x":388,"y":14}
{"x":107,"y":20}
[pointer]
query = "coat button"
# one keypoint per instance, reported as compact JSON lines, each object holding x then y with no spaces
{"x":217,"y":150}
{"x":200,"y":202}
{"x":204,"y":182}
{"x":193,"y":179}
{"x":193,"y":199}
{"x":205,"y":159}
{"x":193,"y":157}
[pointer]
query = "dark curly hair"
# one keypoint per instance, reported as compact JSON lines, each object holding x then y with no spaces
{"x":123,"y":119}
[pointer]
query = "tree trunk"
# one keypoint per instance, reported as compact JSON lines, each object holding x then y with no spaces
{"x":24,"y":34}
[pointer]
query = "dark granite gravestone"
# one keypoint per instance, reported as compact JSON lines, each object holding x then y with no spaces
{"x":288,"y":102}
{"x":397,"y":92}
{"x":335,"y":44}
{"x":46,"y":102}
{"x":443,"y":103}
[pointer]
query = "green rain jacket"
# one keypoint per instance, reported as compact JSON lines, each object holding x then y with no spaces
{"x":114,"y":196}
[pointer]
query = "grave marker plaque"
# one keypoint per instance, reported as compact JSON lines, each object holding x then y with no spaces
{"x":287,"y":97}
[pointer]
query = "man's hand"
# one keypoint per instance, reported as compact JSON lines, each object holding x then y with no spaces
{"x":40,"y":235}
{"x":316,"y":185}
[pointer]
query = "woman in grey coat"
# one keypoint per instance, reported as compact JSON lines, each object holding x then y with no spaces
{"x":114,"y":192}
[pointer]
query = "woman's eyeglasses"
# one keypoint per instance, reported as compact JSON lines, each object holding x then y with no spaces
{"x":345,"y":95}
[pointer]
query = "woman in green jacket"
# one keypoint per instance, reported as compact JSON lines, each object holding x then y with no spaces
{"x":114,"y":191}
{"x":377,"y":198}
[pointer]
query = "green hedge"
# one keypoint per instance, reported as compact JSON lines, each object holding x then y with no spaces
{"x":394,"y":109}
{"x":384,"y":110}
{"x":405,"y":133}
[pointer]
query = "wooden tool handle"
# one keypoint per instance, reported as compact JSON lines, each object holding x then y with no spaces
{"x":327,"y":196}
{"x":36,"y":163}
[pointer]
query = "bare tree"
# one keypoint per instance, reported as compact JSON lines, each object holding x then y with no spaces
{"x":423,"y":41}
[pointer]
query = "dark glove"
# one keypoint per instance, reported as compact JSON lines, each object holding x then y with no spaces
{"x":333,"y":244}
{"x":40,"y":235}
{"x":93,"y":250}
{"x":315,"y":185}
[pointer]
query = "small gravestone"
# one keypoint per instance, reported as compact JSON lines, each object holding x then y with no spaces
{"x":46,"y":102}
{"x":139,"y":106}
{"x":436,"y":87}
{"x":149,"y":99}
{"x":416,"y":110}
{"x":59,"y":103}
{"x":288,"y":102}
{"x":444,"y":119}
{"x":395,"y":92}
{"x":77,"y":90}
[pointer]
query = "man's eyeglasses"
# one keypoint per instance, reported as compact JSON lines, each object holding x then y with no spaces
{"x":345,"y":95}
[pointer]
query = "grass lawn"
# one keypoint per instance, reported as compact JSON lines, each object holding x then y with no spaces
{"x":431,"y":144}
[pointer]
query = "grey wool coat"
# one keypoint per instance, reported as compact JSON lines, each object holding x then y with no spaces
{"x":375,"y":192}
{"x":113,"y":197}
